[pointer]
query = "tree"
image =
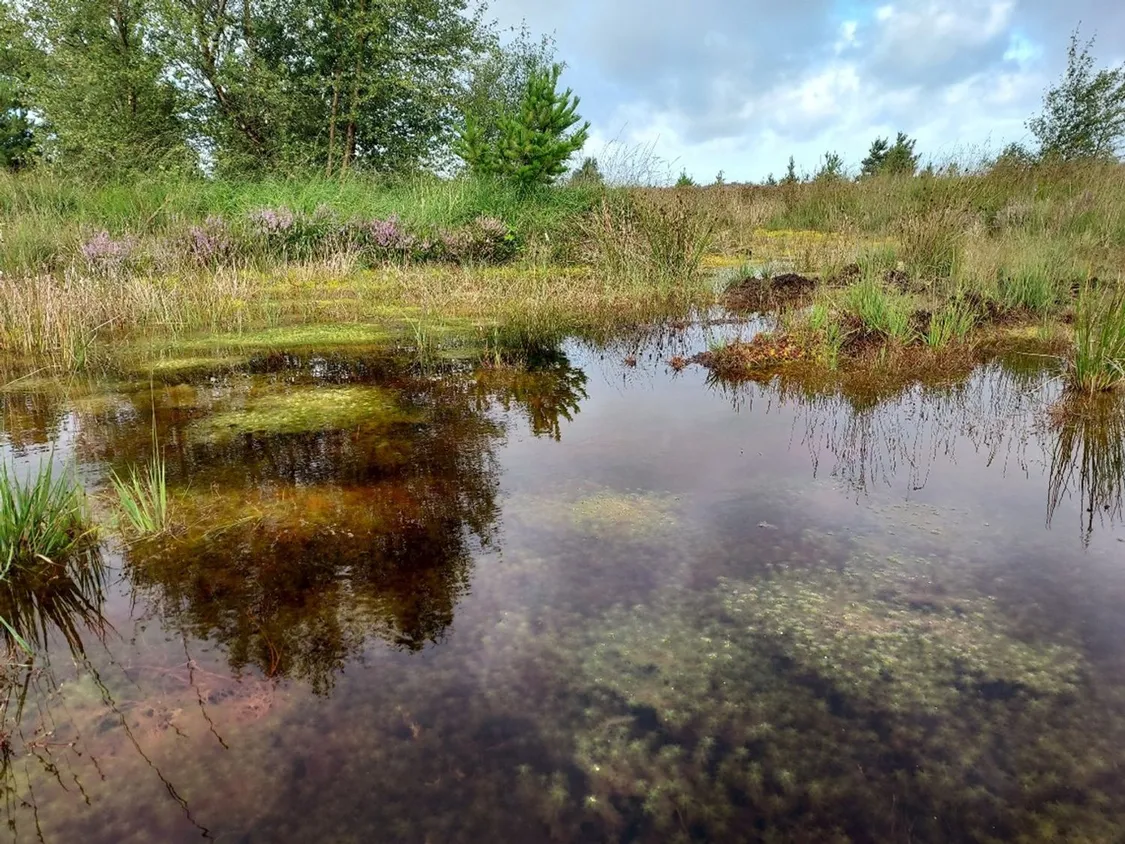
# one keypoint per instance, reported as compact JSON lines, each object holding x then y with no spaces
{"x":532,"y":146}
{"x":894,"y":159}
{"x":323,"y":83}
{"x":1015,"y":155}
{"x":17,"y":132}
{"x":720,"y":178}
{"x":17,"y":136}
{"x":685,"y":181}
{"x":771,"y":181}
{"x":831,"y":170}
{"x":1083,"y":114}
{"x":588,"y":173}
{"x":101,"y":87}
{"x":876,"y":156}
{"x":791,"y":177}
{"x":498,"y":78}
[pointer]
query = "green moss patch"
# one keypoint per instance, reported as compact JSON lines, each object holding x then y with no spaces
{"x":308,"y":409}
{"x":291,"y":337}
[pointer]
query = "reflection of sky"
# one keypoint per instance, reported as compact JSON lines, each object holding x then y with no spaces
{"x":739,"y":86}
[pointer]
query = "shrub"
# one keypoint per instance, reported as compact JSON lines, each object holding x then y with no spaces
{"x":211,"y":243}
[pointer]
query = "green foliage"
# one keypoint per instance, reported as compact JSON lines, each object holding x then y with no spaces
{"x":685,"y":181}
{"x":831,"y":170}
{"x":43,"y":523}
{"x":880,"y":311}
{"x":720,"y":178}
{"x":1098,"y":362}
{"x":897,"y":159}
{"x":1016,"y":156}
{"x":17,"y":135}
{"x":498,"y":79}
{"x":532,"y":146}
{"x":588,"y":174}
{"x":102,"y":87}
{"x":950,"y":324}
{"x":791,"y":177}
{"x":143,"y":496}
{"x":1029,"y":285}
{"x":1084,"y":112}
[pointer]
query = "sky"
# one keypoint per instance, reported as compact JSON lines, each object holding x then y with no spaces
{"x":740,"y":85}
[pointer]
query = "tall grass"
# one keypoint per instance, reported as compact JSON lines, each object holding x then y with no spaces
{"x":1098,"y":362}
{"x":950,"y":324}
{"x":44,"y":528}
{"x":880,"y":311}
{"x":143,"y":496}
{"x":642,"y":236}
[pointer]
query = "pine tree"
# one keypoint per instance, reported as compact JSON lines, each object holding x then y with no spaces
{"x":534,"y":144}
{"x":588,"y":173}
{"x":685,"y":181}
{"x":791,"y":177}
{"x":832,"y":169}
{"x":896,"y":159}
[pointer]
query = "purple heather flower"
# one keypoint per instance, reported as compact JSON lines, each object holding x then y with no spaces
{"x":103,"y":251}
{"x":386,"y":234}
{"x":271,"y":221}
{"x":209,"y":242}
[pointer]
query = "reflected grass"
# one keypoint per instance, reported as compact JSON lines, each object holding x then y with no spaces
{"x":48,"y":556}
{"x":1088,"y":458}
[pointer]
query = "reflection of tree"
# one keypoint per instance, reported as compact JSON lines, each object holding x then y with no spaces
{"x":30,"y":418}
{"x":309,"y":544}
{"x":547,"y":393}
{"x":1088,"y":458}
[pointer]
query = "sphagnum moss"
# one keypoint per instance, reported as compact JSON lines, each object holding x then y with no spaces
{"x":307,"y":409}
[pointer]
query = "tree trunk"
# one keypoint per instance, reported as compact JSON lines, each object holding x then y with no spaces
{"x":333,"y":119}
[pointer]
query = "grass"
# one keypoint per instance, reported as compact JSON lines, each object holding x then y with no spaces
{"x":950,"y":324}
{"x":44,"y":527}
{"x":880,"y":311}
{"x":142,"y":497}
{"x":1098,"y":362}
{"x":1015,"y":238}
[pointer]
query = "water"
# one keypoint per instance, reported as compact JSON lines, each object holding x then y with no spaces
{"x":583,"y":601}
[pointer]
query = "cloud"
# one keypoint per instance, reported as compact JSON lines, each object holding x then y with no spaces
{"x":739,"y":85}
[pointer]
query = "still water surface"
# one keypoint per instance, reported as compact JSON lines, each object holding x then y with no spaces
{"x":582,"y":601}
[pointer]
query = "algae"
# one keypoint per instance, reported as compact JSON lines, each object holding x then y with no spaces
{"x":308,"y":409}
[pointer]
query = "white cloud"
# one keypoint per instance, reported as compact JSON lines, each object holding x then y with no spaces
{"x":739,"y":85}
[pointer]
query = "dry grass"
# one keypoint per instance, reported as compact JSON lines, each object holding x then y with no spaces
{"x":74,"y":318}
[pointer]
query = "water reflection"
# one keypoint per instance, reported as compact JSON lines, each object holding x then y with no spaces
{"x":298,"y":547}
{"x":1088,"y":459}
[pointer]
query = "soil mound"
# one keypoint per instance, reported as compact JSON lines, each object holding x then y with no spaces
{"x":764,"y":294}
